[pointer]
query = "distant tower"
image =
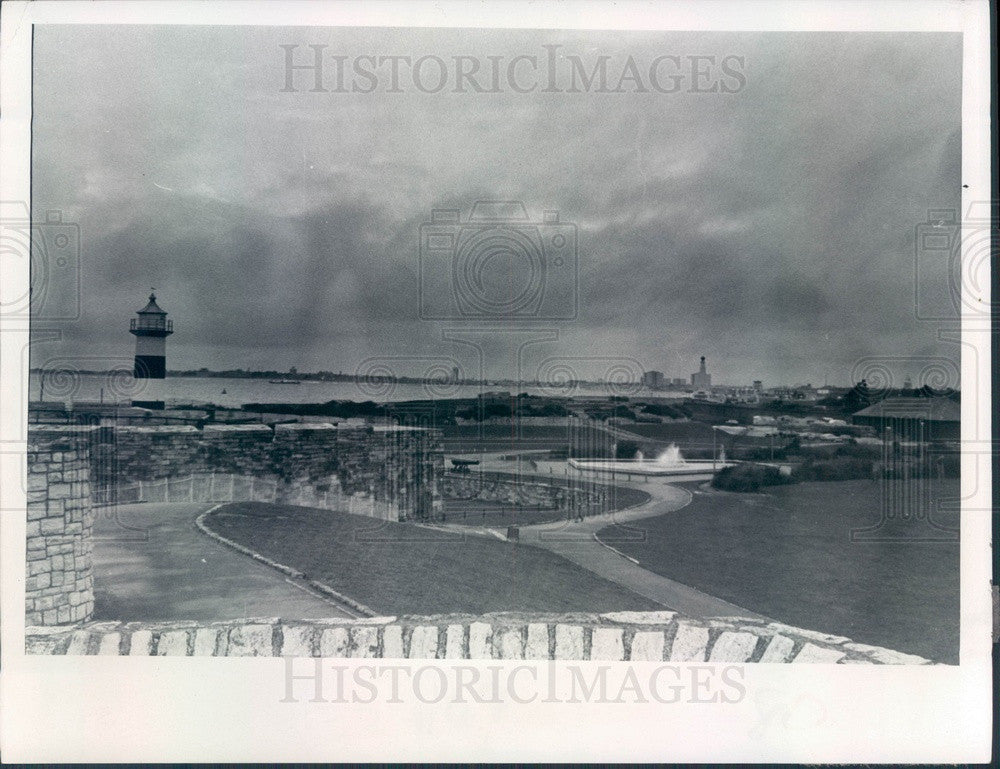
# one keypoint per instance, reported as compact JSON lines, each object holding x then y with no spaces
{"x":151,"y":330}
{"x":701,"y":380}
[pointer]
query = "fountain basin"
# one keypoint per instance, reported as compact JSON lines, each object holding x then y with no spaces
{"x":705,"y":467}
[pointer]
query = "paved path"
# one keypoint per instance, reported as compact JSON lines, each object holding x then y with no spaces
{"x":151,"y":563}
{"x":577,"y":542}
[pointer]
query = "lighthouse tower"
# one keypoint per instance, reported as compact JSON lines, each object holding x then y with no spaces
{"x":151,"y":330}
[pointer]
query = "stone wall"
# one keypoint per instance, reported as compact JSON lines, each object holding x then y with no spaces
{"x":383,"y":469}
{"x":639,"y":636}
{"x":59,"y":581}
{"x":506,"y":489}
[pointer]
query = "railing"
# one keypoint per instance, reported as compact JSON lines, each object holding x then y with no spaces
{"x":138,"y":324}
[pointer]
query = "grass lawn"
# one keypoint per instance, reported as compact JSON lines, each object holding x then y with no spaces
{"x":399,"y":568}
{"x":788,"y":554}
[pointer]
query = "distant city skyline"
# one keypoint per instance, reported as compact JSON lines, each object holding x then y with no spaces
{"x":770,"y":229}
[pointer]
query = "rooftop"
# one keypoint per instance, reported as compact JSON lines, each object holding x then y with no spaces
{"x":152,"y":308}
{"x":934,"y":409}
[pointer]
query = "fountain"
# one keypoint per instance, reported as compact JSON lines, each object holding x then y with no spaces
{"x":669,"y":462}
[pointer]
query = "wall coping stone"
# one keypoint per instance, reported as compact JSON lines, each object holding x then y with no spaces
{"x":43,"y":430}
{"x":157,"y":429}
{"x":236,"y":429}
{"x":614,"y":636}
{"x":299,"y":427}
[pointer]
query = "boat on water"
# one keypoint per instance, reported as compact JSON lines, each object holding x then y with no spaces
{"x":284,"y":381}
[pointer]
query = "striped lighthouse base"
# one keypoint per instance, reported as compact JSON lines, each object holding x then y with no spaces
{"x":150,"y":366}
{"x":151,"y":385}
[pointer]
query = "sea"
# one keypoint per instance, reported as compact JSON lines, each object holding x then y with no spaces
{"x":121,"y":387}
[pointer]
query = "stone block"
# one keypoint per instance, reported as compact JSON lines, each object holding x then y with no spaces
{"x":424,"y":642}
{"x":250,"y":641}
{"x":779,"y":649}
{"x":480,"y":635}
{"x":334,"y":642}
{"x":509,"y":643}
{"x":537,"y":647}
{"x":454,"y":642}
{"x":392,"y":642}
{"x":607,"y":643}
{"x":569,"y":642}
{"x":647,"y":646}
{"x":819,"y":655}
{"x":690,"y":643}
{"x":206,"y":641}
{"x":640,"y":617}
{"x":110,"y":644}
{"x":364,"y":641}
{"x":297,"y":640}
{"x":733,"y":646}
{"x":173,"y":643}
{"x":812,"y":635}
{"x":79,"y":642}
{"x":141,"y":643}
{"x":53,"y":526}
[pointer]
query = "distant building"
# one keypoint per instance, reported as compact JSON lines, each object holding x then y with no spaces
{"x":923,"y":419}
{"x":758,"y":385}
{"x":654,"y":380}
{"x":679,"y":381}
{"x":701,"y":380}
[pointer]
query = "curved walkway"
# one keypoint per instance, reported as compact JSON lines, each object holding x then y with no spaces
{"x":577,"y":541}
{"x":152,"y":563}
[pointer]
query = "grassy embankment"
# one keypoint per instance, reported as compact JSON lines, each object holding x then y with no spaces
{"x":399,"y":568}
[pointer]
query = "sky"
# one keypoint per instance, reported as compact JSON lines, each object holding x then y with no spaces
{"x":770,"y":228}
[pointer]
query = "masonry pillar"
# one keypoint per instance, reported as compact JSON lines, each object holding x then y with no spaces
{"x":59,"y":585}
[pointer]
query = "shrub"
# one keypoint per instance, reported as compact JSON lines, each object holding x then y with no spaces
{"x":748,"y":478}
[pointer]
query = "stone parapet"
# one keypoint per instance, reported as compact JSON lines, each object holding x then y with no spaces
{"x":386,"y":471}
{"x":662,"y":636}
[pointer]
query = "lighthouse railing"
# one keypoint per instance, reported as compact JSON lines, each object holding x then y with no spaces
{"x":143,"y":324}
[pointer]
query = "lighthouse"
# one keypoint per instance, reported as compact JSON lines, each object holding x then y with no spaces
{"x":151,"y":330}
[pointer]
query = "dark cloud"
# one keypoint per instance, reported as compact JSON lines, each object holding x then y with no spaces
{"x":770,"y":229}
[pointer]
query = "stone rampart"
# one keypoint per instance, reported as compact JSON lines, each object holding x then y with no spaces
{"x":617,"y":636}
{"x":385,"y":469}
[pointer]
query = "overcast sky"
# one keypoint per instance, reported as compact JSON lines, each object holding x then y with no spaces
{"x":770,"y":229}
